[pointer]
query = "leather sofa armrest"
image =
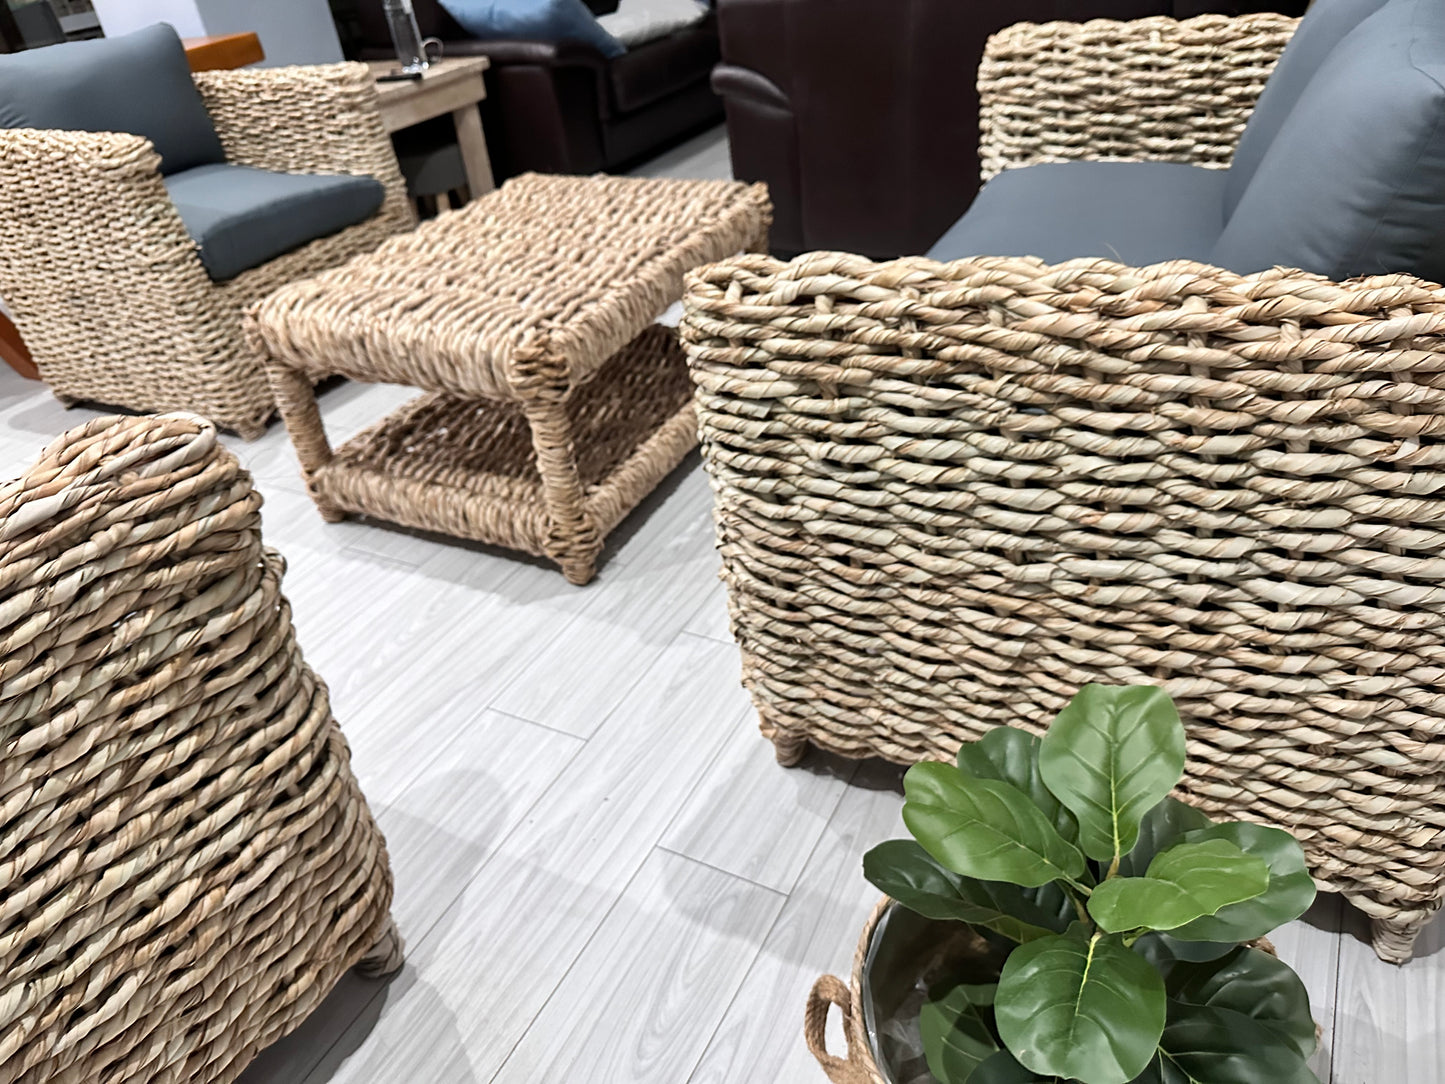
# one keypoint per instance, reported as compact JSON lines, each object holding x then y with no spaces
{"x":744,"y":84}
{"x":546,"y":54}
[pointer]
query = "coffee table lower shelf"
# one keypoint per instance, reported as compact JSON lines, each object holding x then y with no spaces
{"x":468,"y":467}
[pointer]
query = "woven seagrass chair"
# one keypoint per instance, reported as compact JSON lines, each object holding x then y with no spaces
{"x":948,"y":494}
{"x":135,"y":226}
{"x":188,"y":865}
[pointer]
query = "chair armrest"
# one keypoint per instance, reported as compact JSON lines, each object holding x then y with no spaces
{"x":1156,"y":88}
{"x":314,"y":119}
{"x":89,"y":240}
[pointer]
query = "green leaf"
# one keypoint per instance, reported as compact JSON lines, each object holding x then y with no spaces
{"x":1163,"y":951}
{"x":1011,"y":756}
{"x":904,"y":870}
{"x":983,"y":828}
{"x":1112,"y":755}
{"x":1182,"y":883}
{"x":1252,"y":983}
{"x":1162,"y":827}
{"x":1003,"y":1068}
{"x":955,"y":1032}
{"x":1078,"y":1006}
{"x":1291,"y":889}
{"x":1208,"y":1045}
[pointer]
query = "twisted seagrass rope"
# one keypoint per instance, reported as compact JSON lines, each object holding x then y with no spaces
{"x":950,"y":494}
{"x":188,"y":863}
{"x":1154,"y":88}
{"x":106,"y":284}
{"x":555,"y":404}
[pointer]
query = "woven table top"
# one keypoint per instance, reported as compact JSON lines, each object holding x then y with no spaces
{"x":543,"y":270}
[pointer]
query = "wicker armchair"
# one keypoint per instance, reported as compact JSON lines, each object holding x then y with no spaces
{"x":103,"y":279}
{"x":188,"y":864}
{"x":950,"y":494}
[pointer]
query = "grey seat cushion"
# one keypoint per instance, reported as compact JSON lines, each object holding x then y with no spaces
{"x":1323,"y":27}
{"x":1354,"y":182}
{"x":243,"y":217}
{"x":138,"y":83}
{"x":1134,"y":212}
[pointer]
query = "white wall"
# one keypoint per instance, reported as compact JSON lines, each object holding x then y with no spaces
{"x":291,"y":31}
{"x":123,"y":16}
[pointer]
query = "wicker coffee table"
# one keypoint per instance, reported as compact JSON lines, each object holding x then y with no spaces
{"x":552,"y":402}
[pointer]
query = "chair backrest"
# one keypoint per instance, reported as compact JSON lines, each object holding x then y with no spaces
{"x":137,"y":83}
{"x":1323,"y":27}
{"x":189,"y":865}
{"x":1353,"y":182}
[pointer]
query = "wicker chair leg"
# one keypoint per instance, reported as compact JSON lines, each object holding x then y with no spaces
{"x":788,"y":745}
{"x":252,"y":430}
{"x":386,"y":956}
{"x":1393,"y":939}
{"x":573,"y":540}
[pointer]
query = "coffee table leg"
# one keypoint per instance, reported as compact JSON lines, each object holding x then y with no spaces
{"x":296,"y":399}
{"x":572,"y":540}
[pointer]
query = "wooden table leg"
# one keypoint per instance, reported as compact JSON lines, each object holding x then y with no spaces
{"x":473,"y":145}
{"x":14,"y":351}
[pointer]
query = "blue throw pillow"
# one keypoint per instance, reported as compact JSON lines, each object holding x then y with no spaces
{"x":533,"y":20}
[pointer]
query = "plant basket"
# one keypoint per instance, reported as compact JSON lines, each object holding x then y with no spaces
{"x":863,"y":1062}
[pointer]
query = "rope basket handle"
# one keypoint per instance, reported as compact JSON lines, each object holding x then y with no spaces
{"x":827,"y":992}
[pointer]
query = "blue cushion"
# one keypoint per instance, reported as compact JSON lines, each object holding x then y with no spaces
{"x":533,"y":20}
{"x":138,"y":83}
{"x":1354,"y":183}
{"x":1323,"y":27}
{"x":243,"y":217}
{"x":1134,"y":212}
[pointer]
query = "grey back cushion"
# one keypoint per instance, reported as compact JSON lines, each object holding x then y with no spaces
{"x":1322,"y":28}
{"x":138,"y":83}
{"x":1354,"y":183}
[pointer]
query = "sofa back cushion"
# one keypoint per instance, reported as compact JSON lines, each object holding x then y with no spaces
{"x":137,"y":83}
{"x":1354,"y":182}
{"x":1324,"y":27}
{"x":533,"y":20}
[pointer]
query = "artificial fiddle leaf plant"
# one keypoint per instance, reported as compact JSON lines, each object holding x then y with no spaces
{"x":1130,"y":912}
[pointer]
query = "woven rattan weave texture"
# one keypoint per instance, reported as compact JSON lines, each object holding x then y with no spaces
{"x":948,"y":495}
{"x":188,"y":865}
{"x":1157,"y":88}
{"x":105,"y":283}
{"x":556,"y":404}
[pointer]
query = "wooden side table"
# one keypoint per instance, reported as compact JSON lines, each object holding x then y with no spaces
{"x":452,"y":86}
{"x":14,"y":352}
{"x":222,"y":52}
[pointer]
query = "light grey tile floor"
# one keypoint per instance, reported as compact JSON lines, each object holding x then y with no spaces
{"x":603,"y":877}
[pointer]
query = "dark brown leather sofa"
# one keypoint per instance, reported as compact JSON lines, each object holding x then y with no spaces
{"x":862,"y":115}
{"x":563,"y":107}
